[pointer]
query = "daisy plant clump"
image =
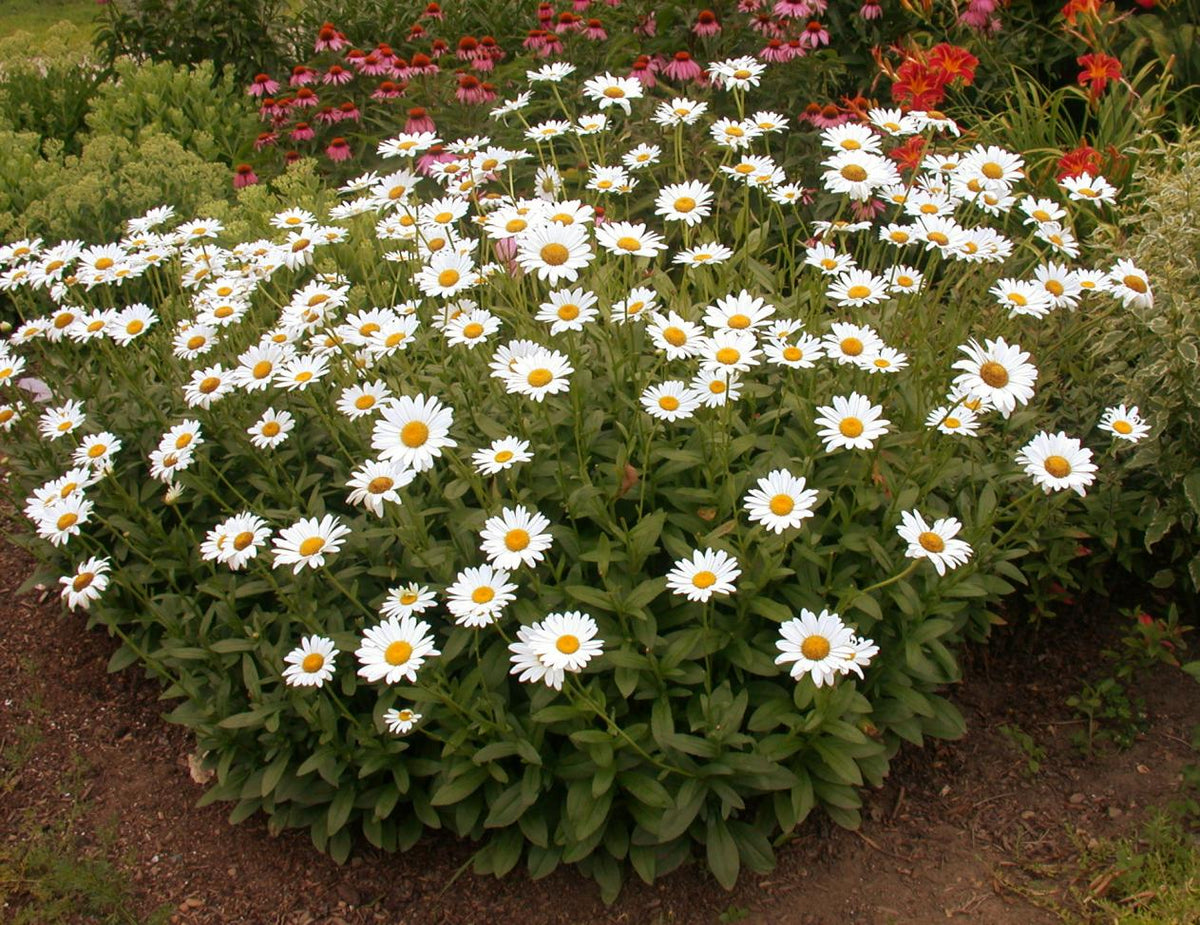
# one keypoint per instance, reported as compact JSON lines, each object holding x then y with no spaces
{"x":462,"y":501}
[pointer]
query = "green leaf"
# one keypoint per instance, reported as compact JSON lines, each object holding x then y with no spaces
{"x":460,"y":788}
{"x":339,"y":809}
{"x":723,"y":857}
{"x":600,"y":600}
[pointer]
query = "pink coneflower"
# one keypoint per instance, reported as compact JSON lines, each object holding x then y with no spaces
{"x":292,"y":156}
{"x":302,"y":75}
{"x":329,"y":39}
{"x":796,"y":49}
{"x":766,"y":24}
{"x":545,"y":13}
{"x":870,"y":9}
{"x":793,"y":9}
{"x":243,"y":175}
{"x":354,"y":57}
{"x":865,"y":211}
{"x":706,"y":23}
{"x":492,"y":48}
{"x":265,"y":140}
{"x":416,"y":32}
{"x":349,"y":110}
{"x":568,"y":22}
{"x":468,"y":48}
{"x":262,"y":85}
{"x":748,"y":6}
{"x":422,"y":65}
{"x":373,"y":65}
{"x":435,"y":155}
{"x":471,"y":91}
{"x":535,"y":41}
{"x":814,"y":34}
{"x":647,"y":26}
{"x":594,"y":30}
{"x":829,"y":116}
{"x":484,"y":65}
{"x":302,"y":131}
{"x":433,"y":11}
{"x":553,"y":45}
{"x":682,"y":68}
{"x":438,"y":48}
{"x":338,"y":150}
{"x":775,"y":52}
{"x":418,"y":121}
{"x":306,"y":98}
{"x":337,"y":75}
{"x":388,"y":90}
{"x":978,"y":16}
{"x":327,"y":115}
{"x":643,"y":71}
{"x":266,"y":109}
{"x":580,"y":5}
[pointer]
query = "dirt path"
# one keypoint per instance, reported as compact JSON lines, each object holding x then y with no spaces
{"x":962,"y":831}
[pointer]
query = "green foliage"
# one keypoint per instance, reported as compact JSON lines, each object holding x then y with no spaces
{"x":238,"y":36}
{"x":1163,"y":231}
{"x":89,"y":196}
{"x":1033,"y":753}
{"x":1110,"y":715}
{"x":50,"y":100}
{"x":206,"y":113}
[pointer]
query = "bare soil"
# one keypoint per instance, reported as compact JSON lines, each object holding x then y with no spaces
{"x":962,"y":831}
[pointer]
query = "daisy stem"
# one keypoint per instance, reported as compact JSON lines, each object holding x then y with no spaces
{"x":337,"y":583}
{"x":621,"y":733}
{"x":899,"y":576}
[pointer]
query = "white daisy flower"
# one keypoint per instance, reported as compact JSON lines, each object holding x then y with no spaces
{"x":406,"y":600}
{"x":87,"y":584}
{"x":562,"y":642}
{"x":781,"y":501}
{"x":413,"y":430}
{"x":500,"y":455}
{"x":400,"y":721}
{"x":817,"y":645}
{"x":1056,"y":462}
{"x":516,"y":536}
{"x":705,"y":573}
{"x":956,"y":420}
{"x":851,"y":423}
{"x":670,"y":401}
{"x":478,"y":596}
{"x":936,"y":543}
{"x":376,"y":482}
{"x":998,"y":372}
{"x":394,"y":650}
{"x":1124,"y":423}
{"x":543,"y":373}
{"x":271,"y":429}
{"x":308,"y":541}
{"x":568,"y":310}
{"x":311,"y":663}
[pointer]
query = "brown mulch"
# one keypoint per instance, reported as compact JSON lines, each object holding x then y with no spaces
{"x":961,"y":832}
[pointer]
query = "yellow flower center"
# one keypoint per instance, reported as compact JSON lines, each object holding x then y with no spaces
{"x":380,"y":484}
{"x":858,"y":292}
{"x":271,"y":429}
{"x":82,"y":580}
{"x":734,"y":131}
{"x":854,"y":173}
{"x":300,"y":244}
{"x":1041,"y":215}
{"x":728,"y":356}
{"x":95,"y":326}
{"x":685,"y":204}
{"x":448,"y":278}
{"x":435,"y":244}
{"x":938,"y":237}
{"x":515,"y":225}
{"x":931,"y":542}
{"x":851,"y":427}
{"x":223,"y":311}
{"x":503,"y":456}
{"x":1057,"y":466}
{"x":898,"y":236}
{"x":669,"y":403}
{"x":482,"y":594}
{"x":443,"y":217}
{"x":739,"y":321}
{"x":1054,"y":287}
{"x":793,"y":354}
{"x":614,"y":93}
{"x":674,"y":336}
{"x":363,"y":402}
{"x":851,"y":346}
{"x":1017,"y":299}
{"x":6,"y":415}
{"x":104,"y":263}
{"x":394,"y":338}
{"x":209,"y":384}
{"x":96,"y":450}
{"x":1122,"y":427}
{"x":704,"y":579}
{"x":882,"y":362}
{"x":397,"y":653}
{"x":904,"y":281}
{"x":65,"y":426}
{"x":196,"y":342}
{"x":568,"y":312}
{"x":408,"y":598}
{"x":567,"y":644}
{"x":741,"y":73}
{"x":992,"y":170}
{"x":242,"y":540}
{"x":555,"y":254}
{"x":1136,"y":283}
{"x":312,"y":546}
{"x":952,"y":423}
{"x":66,"y":520}
{"x":304,"y":376}
{"x":414,"y":434}
{"x":994,"y":374}
{"x":781,"y":505}
{"x":314,"y":661}
{"x":472,"y":330}
{"x":814,"y":648}
{"x":716,"y":387}
{"x":628,"y":243}
{"x":850,"y":144}
{"x":539,"y":377}
{"x":516,"y":540}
